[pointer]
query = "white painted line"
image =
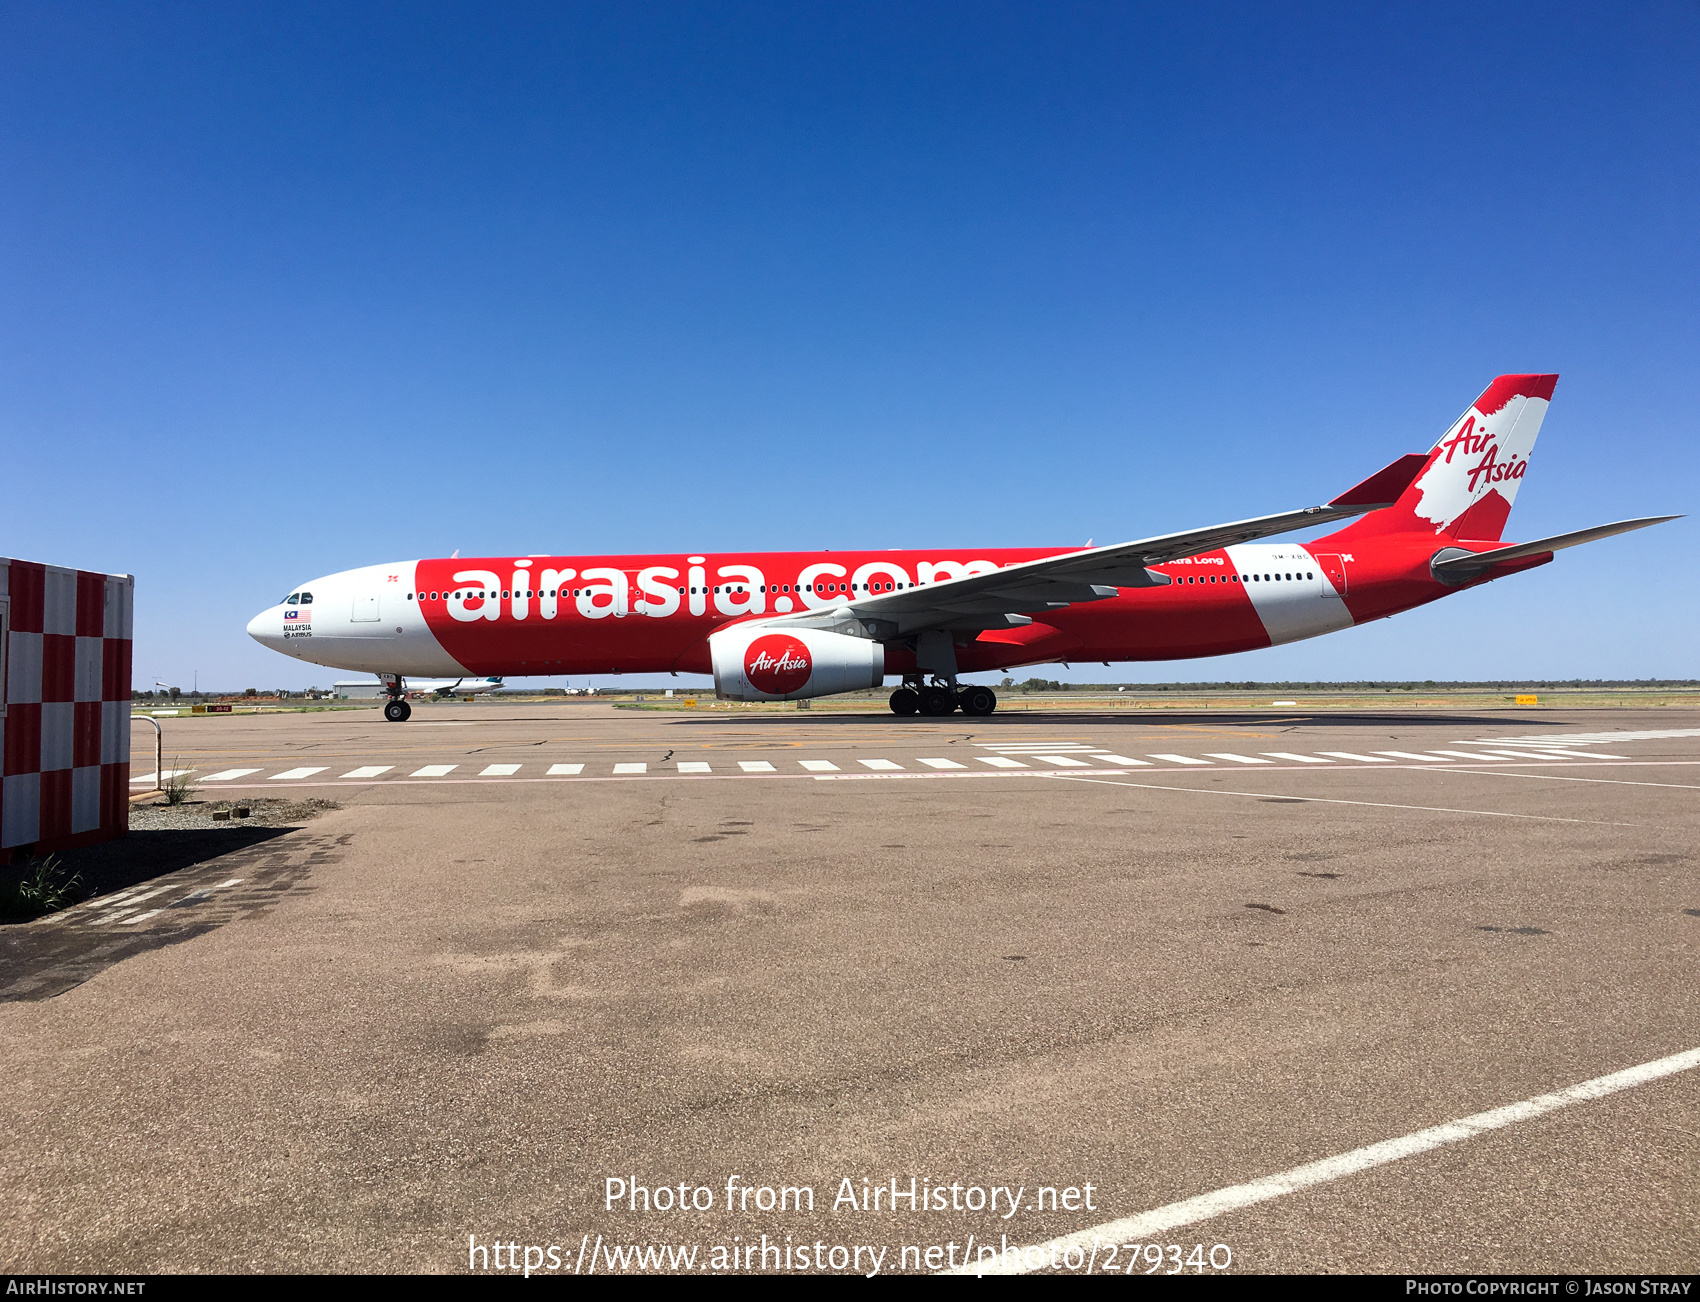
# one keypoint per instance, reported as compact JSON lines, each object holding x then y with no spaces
{"x":756,"y":766}
{"x":879,"y":765}
{"x":1547,"y":752}
{"x":631,"y":768}
{"x":1237,"y":759}
{"x":229,"y":775}
{"x":819,"y":766}
{"x":941,"y":764}
{"x":499,"y":771}
{"x":129,"y":901}
{"x":1485,"y":756}
{"x":167,"y":775}
{"x":369,"y":771}
{"x":1587,"y":738}
{"x":1297,"y":759}
{"x":1361,"y":759}
{"x":1104,"y":758}
{"x":234,"y":881}
{"x":565,"y":770}
{"x":1180,"y":759}
{"x":1410,"y":755}
{"x":693,"y":766}
{"x":289,"y":775}
{"x":434,"y":771}
{"x":1062,"y":761}
{"x":1011,"y":748}
{"x":140,"y":917}
{"x":999,"y":762}
{"x":1147,"y":1225}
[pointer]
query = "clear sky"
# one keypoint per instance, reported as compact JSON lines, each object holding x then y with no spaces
{"x":290,"y":288}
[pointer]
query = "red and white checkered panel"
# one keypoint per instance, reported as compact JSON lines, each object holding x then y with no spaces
{"x":64,"y":706}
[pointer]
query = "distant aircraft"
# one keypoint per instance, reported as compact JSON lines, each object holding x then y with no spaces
{"x":445,"y":687}
{"x":793,"y":625}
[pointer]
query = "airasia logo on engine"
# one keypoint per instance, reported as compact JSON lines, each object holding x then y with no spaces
{"x":777,"y":664}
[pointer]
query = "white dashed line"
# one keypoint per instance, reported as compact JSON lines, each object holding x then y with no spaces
{"x":369,"y":771}
{"x":166,"y":776}
{"x":1104,"y":758}
{"x":229,"y":775}
{"x":290,"y":775}
{"x":819,"y":766}
{"x":1151,"y":1224}
{"x":140,"y":917}
{"x":434,"y":771}
{"x":1479,"y":756}
{"x":1412,"y":755}
{"x":631,"y":768}
{"x":756,"y":766}
{"x":1237,"y":759}
{"x":1180,"y":759}
{"x":1297,"y":759}
{"x":693,"y":766}
{"x":1546,"y":753}
{"x":499,"y":771}
{"x":941,"y":764}
{"x":879,"y":765}
{"x":565,"y":770}
{"x":1062,"y":761}
{"x":234,"y":881}
{"x":1000,"y":762}
{"x":1361,"y":759}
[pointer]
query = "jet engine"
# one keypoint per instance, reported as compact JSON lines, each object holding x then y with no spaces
{"x":757,"y":663}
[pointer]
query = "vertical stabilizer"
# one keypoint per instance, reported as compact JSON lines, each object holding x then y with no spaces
{"x":1470,"y":481}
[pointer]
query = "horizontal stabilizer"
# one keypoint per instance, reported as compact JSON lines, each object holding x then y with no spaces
{"x":1385,"y":487}
{"x":1468,"y":562}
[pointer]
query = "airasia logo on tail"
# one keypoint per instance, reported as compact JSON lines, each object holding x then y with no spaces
{"x":777,"y":664}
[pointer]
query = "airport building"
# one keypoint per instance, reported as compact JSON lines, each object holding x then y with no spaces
{"x":65,"y":638}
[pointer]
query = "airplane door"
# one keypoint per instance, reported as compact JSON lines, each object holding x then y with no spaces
{"x":365,"y":610}
{"x":1334,"y":570}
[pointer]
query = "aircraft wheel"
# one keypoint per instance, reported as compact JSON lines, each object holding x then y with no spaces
{"x":977,"y":700}
{"x":905,"y":701}
{"x":935,"y":701}
{"x":398,"y":712}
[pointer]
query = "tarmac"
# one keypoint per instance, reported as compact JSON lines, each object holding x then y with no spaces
{"x":1131,"y":959}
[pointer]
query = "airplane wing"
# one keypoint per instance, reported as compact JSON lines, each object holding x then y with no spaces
{"x":1008,"y":597}
{"x":1463,"y":564}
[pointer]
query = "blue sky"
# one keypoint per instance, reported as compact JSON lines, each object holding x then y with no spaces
{"x":286,"y":289}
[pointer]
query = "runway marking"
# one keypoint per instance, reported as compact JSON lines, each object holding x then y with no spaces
{"x":1411,"y":755}
{"x":565,"y":770}
{"x":1103,"y":758}
{"x":631,"y":768}
{"x":289,"y":775}
{"x":1361,"y":759}
{"x":1063,"y":761}
{"x":1189,"y":1211}
{"x":1297,"y":759}
{"x":819,"y":766}
{"x":756,"y":766}
{"x":1586,"y":738}
{"x":369,"y":771}
{"x":1180,"y":759}
{"x":499,"y":771}
{"x":141,"y":917}
{"x":1482,"y":757}
{"x":228,"y":775}
{"x":1237,"y":759}
{"x":1000,"y":762}
{"x":941,"y":764}
{"x":1333,"y":800}
{"x":167,"y":775}
{"x":879,"y":765}
{"x":693,"y":766}
{"x":434,"y":771}
{"x":1615,"y":782}
{"x":1549,"y":752}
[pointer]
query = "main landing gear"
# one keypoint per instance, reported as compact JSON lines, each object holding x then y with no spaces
{"x":940,"y":698}
{"x":398,"y":710}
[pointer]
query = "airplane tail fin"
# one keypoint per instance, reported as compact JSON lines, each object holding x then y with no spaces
{"x":1468,"y":481}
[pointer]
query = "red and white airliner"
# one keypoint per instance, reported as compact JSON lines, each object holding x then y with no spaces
{"x":786,"y":625}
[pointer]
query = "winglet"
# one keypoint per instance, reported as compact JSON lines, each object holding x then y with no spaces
{"x":1385,"y":487}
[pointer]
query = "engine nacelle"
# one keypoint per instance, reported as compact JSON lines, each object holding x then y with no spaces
{"x":753,"y":663}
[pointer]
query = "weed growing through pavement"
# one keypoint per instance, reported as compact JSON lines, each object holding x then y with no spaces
{"x":44,"y":887}
{"x":178,"y":787}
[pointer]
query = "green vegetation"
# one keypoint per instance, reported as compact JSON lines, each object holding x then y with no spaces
{"x":178,"y":787}
{"x":42,"y":887}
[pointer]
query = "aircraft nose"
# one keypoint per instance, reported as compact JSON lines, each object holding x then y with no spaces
{"x":263,"y":627}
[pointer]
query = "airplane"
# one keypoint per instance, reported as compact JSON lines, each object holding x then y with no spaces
{"x":446,"y":687}
{"x":795,"y":625}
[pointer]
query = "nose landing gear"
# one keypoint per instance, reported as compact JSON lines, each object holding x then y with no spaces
{"x":398,"y":711}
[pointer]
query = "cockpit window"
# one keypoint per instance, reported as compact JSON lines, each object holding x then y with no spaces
{"x":306,"y":598}
{"x":292,"y":599}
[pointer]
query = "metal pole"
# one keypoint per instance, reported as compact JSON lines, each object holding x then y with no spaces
{"x":158,"y":748}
